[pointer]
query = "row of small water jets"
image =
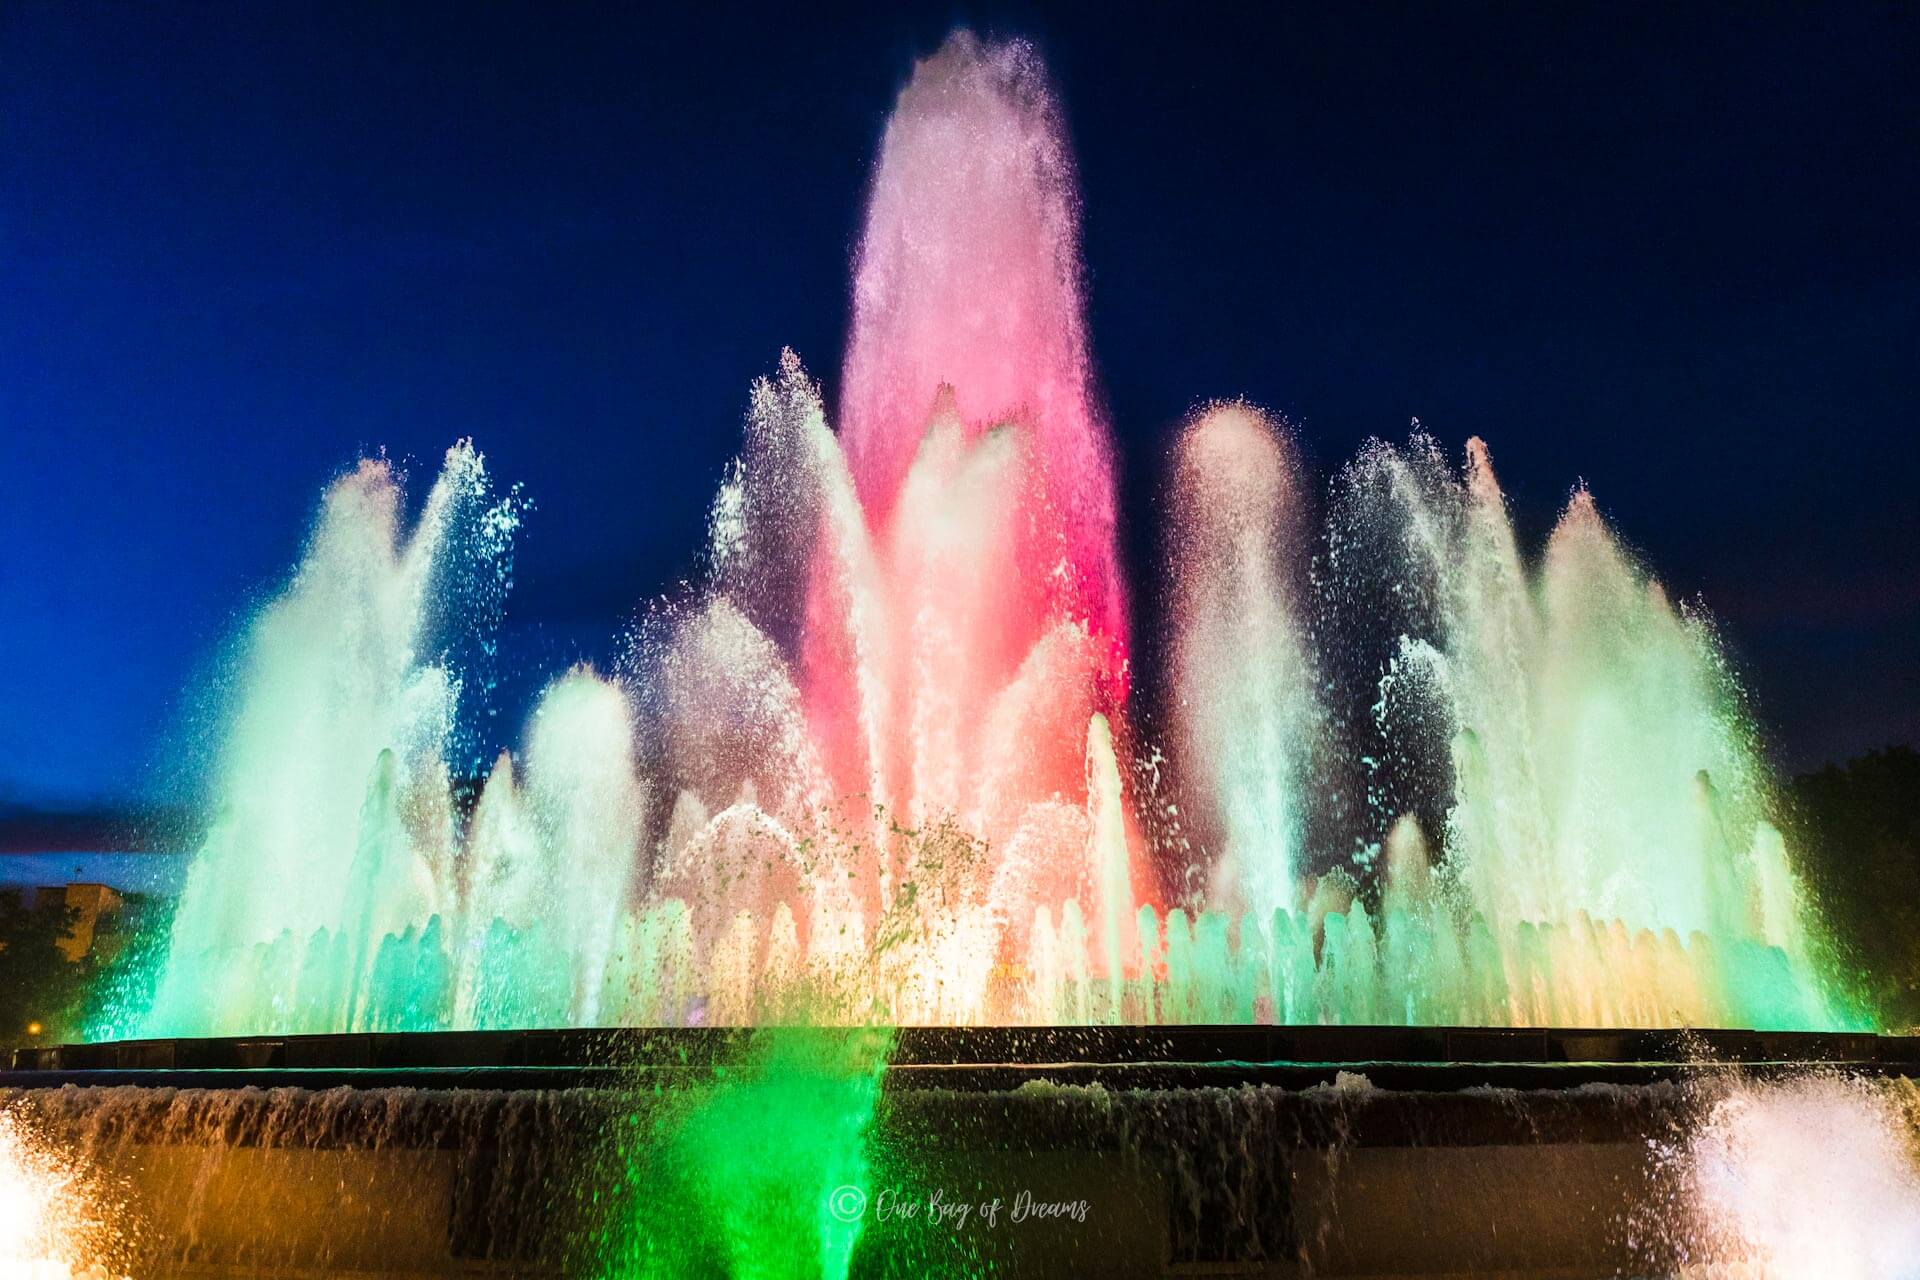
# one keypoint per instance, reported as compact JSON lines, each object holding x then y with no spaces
{"x":1409,"y":969}
{"x":1808,"y":1178}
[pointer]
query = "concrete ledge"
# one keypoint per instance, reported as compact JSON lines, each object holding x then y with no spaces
{"x":945,"y":1046}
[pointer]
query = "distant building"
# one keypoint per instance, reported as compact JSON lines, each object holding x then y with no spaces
{"x":96,"y":909}
{"x":99,"y":915}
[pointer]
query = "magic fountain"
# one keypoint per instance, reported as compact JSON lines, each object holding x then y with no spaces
{"x":883,"y":764}
{"x":887,"y":765}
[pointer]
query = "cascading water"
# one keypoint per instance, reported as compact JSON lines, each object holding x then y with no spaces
{"x":883,"y":767}
{"x":748,"y":1174}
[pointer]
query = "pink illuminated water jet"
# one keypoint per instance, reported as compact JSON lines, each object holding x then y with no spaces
{"x":968,"y":278}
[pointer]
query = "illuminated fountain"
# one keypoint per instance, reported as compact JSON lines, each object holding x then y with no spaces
{"x":890,"y":767}
{"x":885,"y":764}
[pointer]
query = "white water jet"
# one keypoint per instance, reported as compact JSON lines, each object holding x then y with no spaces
{"x":1245,"y":688}
{"x":56,"y":1223}
{"x":587,"y":804}
{"x":338,"y":684}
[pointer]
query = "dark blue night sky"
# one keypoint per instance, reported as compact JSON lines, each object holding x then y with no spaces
{"x":1668,"y":250}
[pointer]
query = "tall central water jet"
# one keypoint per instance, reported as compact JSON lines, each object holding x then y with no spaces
{"x":975,"y":616}
{"x":968,"y":277}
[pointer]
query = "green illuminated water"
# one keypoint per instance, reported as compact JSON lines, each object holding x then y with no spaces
{"x":760,"y":1172}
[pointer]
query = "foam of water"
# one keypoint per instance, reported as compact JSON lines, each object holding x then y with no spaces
{"x":53,"y":1220}
{"x":1813,"y":1178}
{"x":884,"y":765}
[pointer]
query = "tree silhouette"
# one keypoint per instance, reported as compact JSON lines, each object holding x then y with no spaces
{"x":37,"y":981}
{"x":1862,"y":857}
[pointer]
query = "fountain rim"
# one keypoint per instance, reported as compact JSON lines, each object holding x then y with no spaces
{"x":975,"y":1058}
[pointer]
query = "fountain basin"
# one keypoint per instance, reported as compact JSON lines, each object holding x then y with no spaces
{"x":1331,"y":1151}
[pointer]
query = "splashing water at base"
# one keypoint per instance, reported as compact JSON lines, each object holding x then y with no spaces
{"x":52,"y":1225}
{"x":1809,"y":1179}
